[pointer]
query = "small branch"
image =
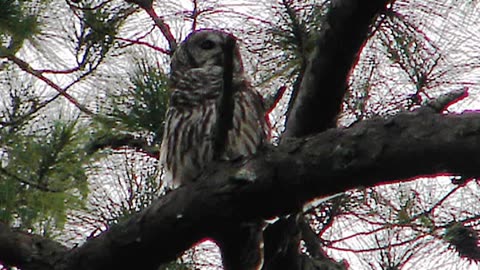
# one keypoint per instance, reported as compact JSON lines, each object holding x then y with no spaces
{"x":119,"y":141}
{"x":225,"y":107}
{"x":195,"y":14}
{"x":139,"y":42}
{"x":275,"y":100}
{"x":312,"y":242}
{"x":27,"y":68}
{"x":441,"y":103}
{"x":164,"y":27}
{"x":40,"y":187}
{"x":65,"y":71}
{"x":430,"y":211}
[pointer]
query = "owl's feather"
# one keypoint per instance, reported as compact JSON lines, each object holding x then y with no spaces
{"x":197,"y":83}
{"x":188,"y":143}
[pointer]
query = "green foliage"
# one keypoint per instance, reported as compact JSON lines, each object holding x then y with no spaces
{"x":96,"y":36}
{"x":18,"y":22}
{"x":147,"y":100}
{"x":412,"y":51}
{"x":18,"y":99}
{"x":139,"y":109}
{"x":464,"y":240}
{"x":296,"y":33}
{"x":289,"y":40}
{"x":42,"y":175}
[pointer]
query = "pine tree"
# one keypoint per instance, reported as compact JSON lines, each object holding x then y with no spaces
{"x":84,"y":89}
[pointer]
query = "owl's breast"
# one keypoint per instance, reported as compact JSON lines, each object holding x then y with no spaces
{"x":195,"y":86}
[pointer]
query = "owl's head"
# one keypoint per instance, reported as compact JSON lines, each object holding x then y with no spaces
{"x":204,"y":49}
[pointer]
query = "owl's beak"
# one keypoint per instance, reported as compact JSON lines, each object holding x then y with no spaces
{"x":215,"y":61}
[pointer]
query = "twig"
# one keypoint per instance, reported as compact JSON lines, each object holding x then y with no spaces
{"x":139,"y":42}
{"x":40,"y":187}
{"x":312,"y":242}
{"x":27,"y":68}
{"x":441,"y":103}
{"x":164,"y":28}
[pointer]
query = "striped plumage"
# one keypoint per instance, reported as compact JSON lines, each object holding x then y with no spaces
{"x":197,"y":83}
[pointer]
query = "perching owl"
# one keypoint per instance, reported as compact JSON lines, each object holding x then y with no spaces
{"x":197,"y":84}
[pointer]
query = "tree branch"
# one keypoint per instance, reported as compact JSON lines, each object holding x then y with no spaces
{"x":319,"y":92}
{"x":29,"y":251}
{"x":345,"y":31}
{"x":164,"y":27}
{"x":38,"y":74}
{"x":117,"y":141}
{"x":369,"y":152}
{"x":39,"y":186}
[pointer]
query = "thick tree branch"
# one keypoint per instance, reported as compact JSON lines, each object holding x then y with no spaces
{"x":317,"y":98}
{"x":31,"y":252}
{"x":371,"y":152}
{"x":345,"y":31}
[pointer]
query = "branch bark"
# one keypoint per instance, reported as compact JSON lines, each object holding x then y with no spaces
{"x":28,"y":251}
{"x":38,"y":74}
{"x":372,"y":152}
{"x":316,"y":102}
{"x":147,"y":5}
{"x":345,"y":30}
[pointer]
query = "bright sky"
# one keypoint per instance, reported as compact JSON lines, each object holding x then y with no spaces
{"x":460,"y":46}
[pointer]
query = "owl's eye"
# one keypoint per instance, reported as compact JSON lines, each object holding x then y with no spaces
{"x":207,"y":44}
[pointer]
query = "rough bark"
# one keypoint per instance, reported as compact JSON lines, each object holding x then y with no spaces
{"x":317,"y":102}
{"x":279,"y":181}
{"x":345,"y":30}
{"x":28,"y":251}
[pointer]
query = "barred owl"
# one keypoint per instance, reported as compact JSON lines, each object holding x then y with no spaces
{"x":197,"y":84}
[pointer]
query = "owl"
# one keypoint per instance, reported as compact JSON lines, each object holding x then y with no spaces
{"x":196,"y":80}
{"x":188,"y":140}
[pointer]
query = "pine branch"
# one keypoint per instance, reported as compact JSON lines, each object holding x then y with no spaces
{"x":345,"y":30}
{"x":41,"y":187}
{"x":318,"y":93}
{"x":38,"y":74}
{"x":164,"y":27}
{"x":369,"y":152}
{"x":30,"y":251}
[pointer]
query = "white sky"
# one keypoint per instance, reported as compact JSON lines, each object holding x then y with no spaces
{"x":461,"y":45}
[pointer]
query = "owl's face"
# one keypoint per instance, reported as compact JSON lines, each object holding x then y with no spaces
{"x":204,"y":49}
